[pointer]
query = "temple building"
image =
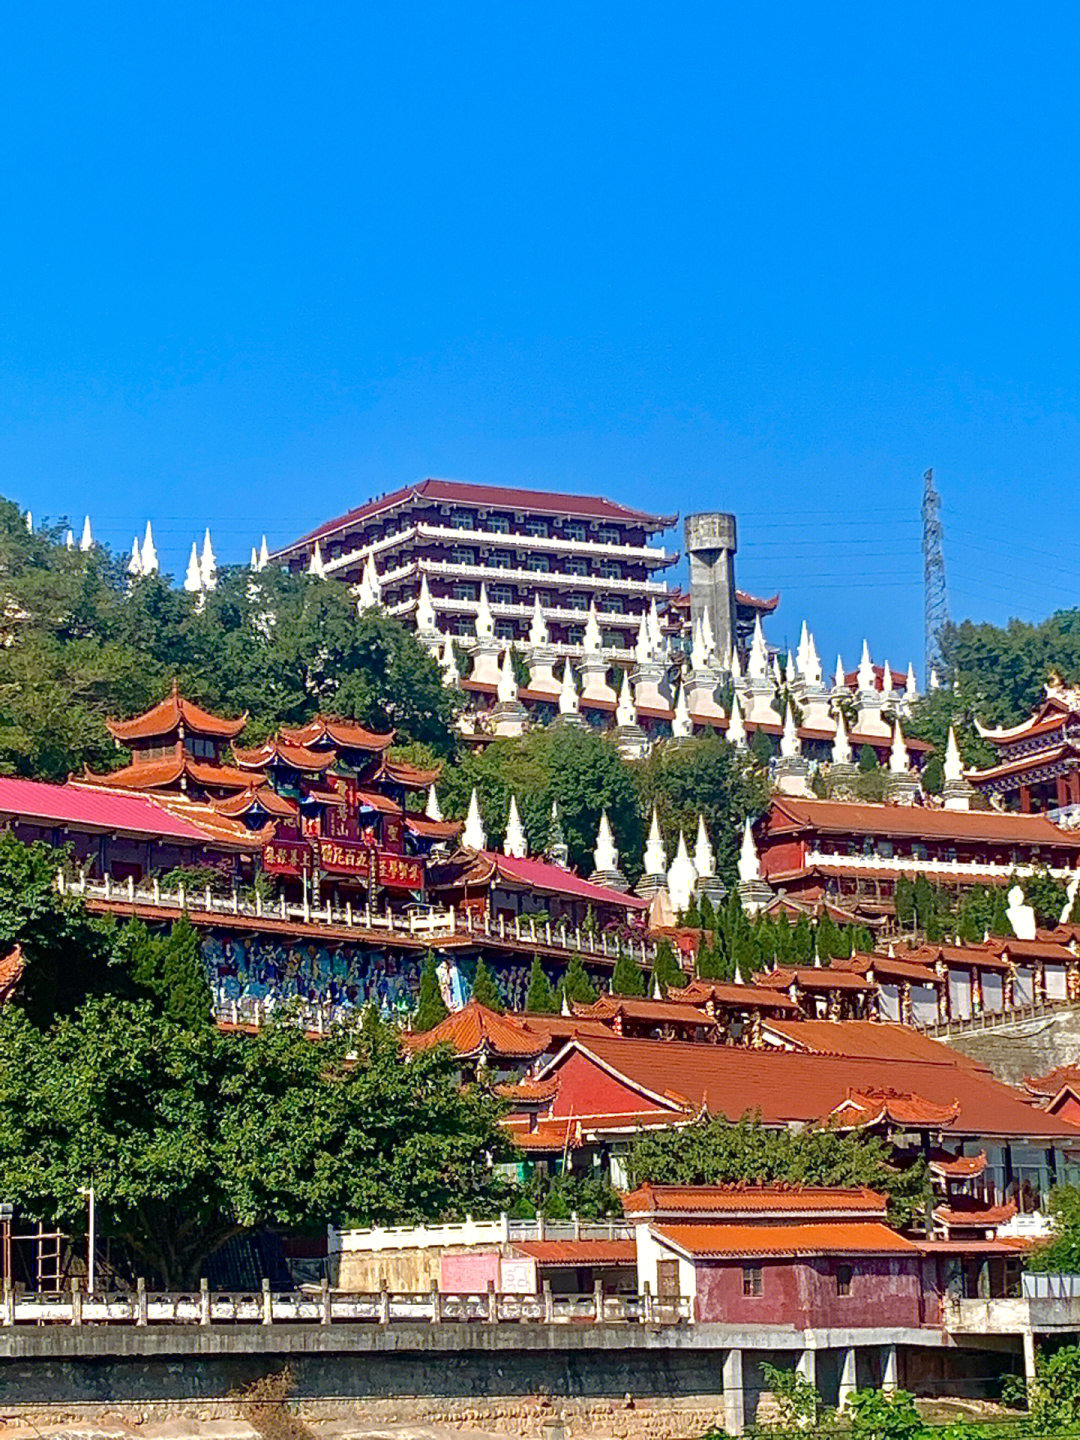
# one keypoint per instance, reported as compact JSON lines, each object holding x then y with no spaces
{"x":523,"y":546}
{"x":1038,"y":762}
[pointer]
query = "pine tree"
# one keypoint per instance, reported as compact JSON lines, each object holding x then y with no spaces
{"x":999,"y":914}
{"x":575,"y":984}
{"x":691,"y":917}
{"x":761,"y":747}
{"x":803,"y":941}
{"x":666,"y":968}
{"x":708,"y":914}
{"x":540,"y":999}
{"x":712,"y":961}
{"x":485,"y":990}
{"x":628,"y":978}
{"x":1074,"y":913}
{"x":867,"y":759}
{"x":785,"y":940}
{"x":430,"y":1007}
{"x":904,"y":902}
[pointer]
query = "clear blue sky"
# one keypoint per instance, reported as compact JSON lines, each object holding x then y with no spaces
{"x":262,"y":261}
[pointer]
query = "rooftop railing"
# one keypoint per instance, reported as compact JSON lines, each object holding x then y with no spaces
{"x":975,"y":869}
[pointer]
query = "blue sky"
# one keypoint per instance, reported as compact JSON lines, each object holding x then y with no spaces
{"x":262,"y":261}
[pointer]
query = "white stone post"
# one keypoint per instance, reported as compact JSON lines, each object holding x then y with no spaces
{"x":848,"y":1382}
{"x":888,"y":1370}
{"x":734,"y":1399}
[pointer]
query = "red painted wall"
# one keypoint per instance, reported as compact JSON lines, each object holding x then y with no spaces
{"x":468,"y":1272}
{"x":803,"y":1292}
{"x":586,"y":1089}
{"x":781,"y":857}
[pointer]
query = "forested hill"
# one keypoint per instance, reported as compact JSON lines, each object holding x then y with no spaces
{"x":79,"y":641}
{"x":1004,"y":670}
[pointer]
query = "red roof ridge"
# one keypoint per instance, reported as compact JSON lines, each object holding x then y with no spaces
{"x":169,"y":713}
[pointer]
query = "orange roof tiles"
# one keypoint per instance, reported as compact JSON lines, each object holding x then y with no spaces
{"x":748,"y":1199}
{"x":257,"y":795}
{"x":899,"y":1107}
{"x":169,"y":771}
{"x":723,"y":1242}
{"x":579,"y":1252}
{"x":812,"y":977}
{"x":842,"y":817}
{"x":528,"y":1092}
{"x":11,"y":972}
{"x":653,"y":1012}
{"x":171,"y":712}
{"x":411,"y":776}
{"x":731,"y":996}
{"x":868,"y":1040}
{"x":958,"y":1167}
{"x":297,"y":757}
{"x":786,"y":1086}
{"x":973,"y":1217}
{"x":327,"y":729}
{"x":476,"y":1030}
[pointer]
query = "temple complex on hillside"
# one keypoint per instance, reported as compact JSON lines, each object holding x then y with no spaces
{"x":1038,"y":762}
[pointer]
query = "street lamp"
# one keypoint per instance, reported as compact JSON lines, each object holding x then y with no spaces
{"x":89,"y":1194}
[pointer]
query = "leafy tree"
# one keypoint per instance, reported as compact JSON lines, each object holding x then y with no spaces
{"x":485,"y":988}
{"x":761,"y":747}
{"x":795,"y":1397}
{"x":867,"y":759}
{"x":884,"y":1415}
{"x":666,"y":968}
{"x":557,"y":1197}
{"x":716,"y":1151}
{"x":627,"y":978}
{"x":540,"y":999}
{"x":1060,"y":1254}
{"x":190,"y":1136}
{"x":169,"y":968}
{"x":575,"y":984}
{"x":1001,"y":671}
{"x":1046,"y":896}
{"x":1054,"y":1397}
{"x":430,"y":1007}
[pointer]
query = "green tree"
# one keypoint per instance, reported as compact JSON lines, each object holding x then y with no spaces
{"x":540,"y":999}
{"x":666,"y":968}
{"x":430,"y":1007}
{"x":867,"y":759}
{"x":881,"y":1415}
{"x":1046,"y":896}
{"x":575,"y":984}
{"x":485,"y":988}
{"x":627,"y":978}
{"x":190,"y":1136}
{"x":1000,"y":672}
{"x":761,"y":747}
{"x":1054,"y":1397}
{"x":796,"y":1399}
{"x":169,"y":968}
{"x":1060,"y":1254}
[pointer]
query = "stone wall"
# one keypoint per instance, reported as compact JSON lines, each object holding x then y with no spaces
{"x":1024,"y":1047}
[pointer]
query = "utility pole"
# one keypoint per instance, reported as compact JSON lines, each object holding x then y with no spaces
{"x":935,"y":595}
{"x":91,"y":1238}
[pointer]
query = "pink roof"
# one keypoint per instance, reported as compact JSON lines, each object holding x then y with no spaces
{"x":539,"y":875}
{"x":546,"y":502}
{"x":90,"y":807}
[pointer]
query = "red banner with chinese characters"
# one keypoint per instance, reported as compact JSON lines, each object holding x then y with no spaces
{"x":393,"y":833}
{"x":345,"y":857}
{"x":286,"y":857}
{"x":398,"y":872}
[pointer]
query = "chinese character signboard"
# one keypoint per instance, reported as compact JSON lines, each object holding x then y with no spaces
{"x":345,"y":857}
{"x":287,"y":857}
{"x":398,"y":872}
{"x":392,"y":830}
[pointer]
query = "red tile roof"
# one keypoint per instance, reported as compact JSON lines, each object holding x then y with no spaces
{"x":432,"y":829}
{"x":297,"y":757}
{"x":867,"y":1040}
{"x":257,"y":795}
{"x":649,"y":1199}
{"x":476,"y":1030}
{"x":528,"y":1092}
{"x":973,"y":1217}
{"x":411,"y":776}
{"x":897,"y":1107}
{"x":579,"y":1252}
{"x":812,"y":977}
{"x":1037,"y":950}
{"x":957,"y":1167}
{"x":786,"y":1086}
{"x":540,"y":875}
{"x":495,"y":497}
{"x":840,"y":817}
{"x":1054,"y":1081}
{"x":652,"y":1012}
{"x":725,"y":994}
{"x":166,"y":773}
{"x":167,"y":714}
{"x":331,"y":730}
{"x":723,"y":1242}
{"x":91,"y":808}
{"x":11,"y":972}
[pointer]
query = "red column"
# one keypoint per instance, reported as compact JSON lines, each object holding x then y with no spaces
{"x":1062,"y":790}
{"x":1025,"y":799}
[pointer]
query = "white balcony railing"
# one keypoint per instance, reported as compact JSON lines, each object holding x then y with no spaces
{"x":973,"y":869}
{"x":536,"y":579}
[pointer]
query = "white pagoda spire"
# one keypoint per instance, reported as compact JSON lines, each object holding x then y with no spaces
{"x":315,"y":564}
{"x":149,"y":552}
{"x":626,"y":710}
{"x":757,"y":666}
{"x":590,"y":642}
{"x":134,"y":565}
{"x":810,"y":665}
{"x":448,"y":662}
{"x":867,"y":679}
{"x":69,"y":539}
{"x":749,"y":864}
{"x":777,"y":673}
{"x":804,"y":645}
{"x":538,"y":631}
{"x":605,"y":853}
{"x":426,"y":622}
{"x":735,"y":663}
{"x":485,"y":623}
{"x":30,"y":521}
{"x":193,"y":581}
{"x":911,"y":686}
{"x":656,"y":635}
{"x":472,"y":835}
{"x":508,"y":688}
{"x":208,"y":563}
{"x":935,"y":679}
{"x":898,"y":755}
{"x":370,"y":592}
{"x":954,"y":767}
{"x":643,"y":649}
{"x":704,"y":858}
{"x":840,"y":677}
{"x":568,"y":695}
{"x":886,"y":682}
{"x":790,"y":744}
{"x":682,"y":727}
{"x":736,"y":730}
{"x":264,"y":554}
{"x":515,"y":844}
{"x":708,"y":640}
{"x":841,"y":750}
{"x":433,"y":809}
{"x":86,"y":540}
{"x":698,"y":653}
{"x":655,"y":858}
{"x":681,"y":876}
{"x":253,"y":563}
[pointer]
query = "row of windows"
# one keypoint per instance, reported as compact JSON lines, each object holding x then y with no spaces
{"x":753,"y":1280}
{"x":537,"y":564}
{"x":568,"y":530}
{"x":508,"y":595}
{"x":506,"y":630}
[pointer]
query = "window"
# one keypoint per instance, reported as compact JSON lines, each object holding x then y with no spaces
{"x":539,"y":563}
{"x":502,"y":560}
{"x":574,"y":635}
{"x":577,"y":565}
{"x":465,"y":592}
{"x":752,"y":1280}
{"x":608,"y":535}
{"x":536,"y":527}
{"x":843,"y":1279}
{"x":613,"y":604}
{"x":461,"y":520}
{"x":504,"y":629}
{"x":498,"y":524}
{"x":611,"y":569}
{"x":574,"y":530}
{"x":501,"y":594}
{"x":577,"y":601}
{"x":463,"y":555}
{"x":613,"y":639}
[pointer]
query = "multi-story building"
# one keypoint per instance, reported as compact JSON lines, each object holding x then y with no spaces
{"x":522,"y":545}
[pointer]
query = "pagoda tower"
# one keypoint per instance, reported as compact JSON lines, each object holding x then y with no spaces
{"x":509,"y":717}
{"x":654,"y":877}
{"x":540,"y":655}
{"x":630,"y":738}
{"x":485,"y":648}
{"x":606,"y":858}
